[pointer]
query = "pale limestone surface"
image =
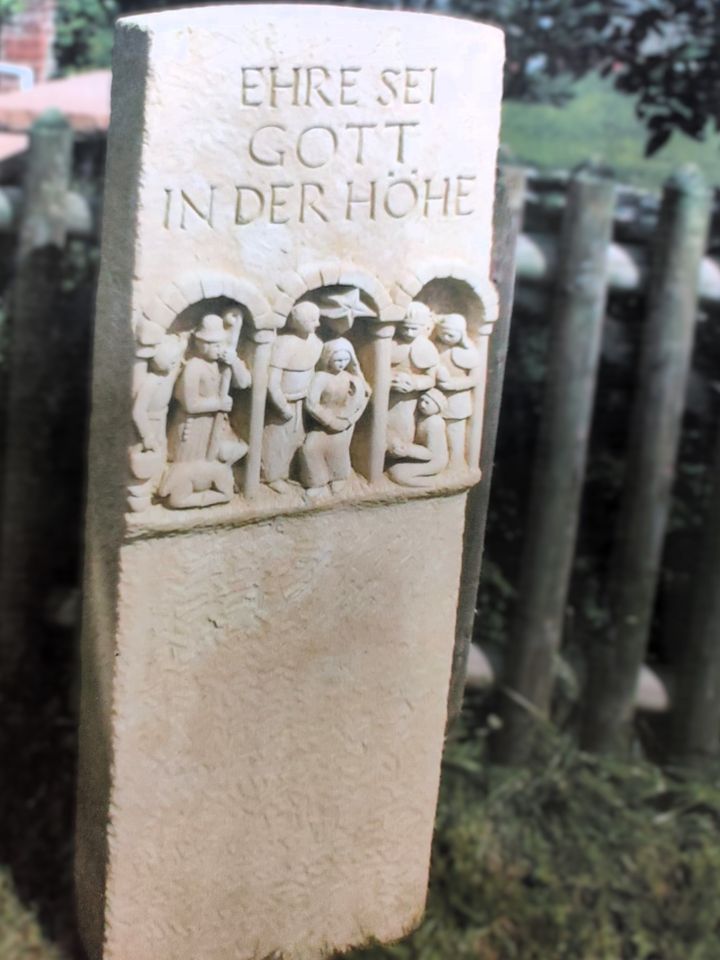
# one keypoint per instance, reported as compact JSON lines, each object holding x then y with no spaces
{"x":267,"y":645}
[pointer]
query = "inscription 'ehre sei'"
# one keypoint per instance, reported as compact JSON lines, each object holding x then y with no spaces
{"x":342,"y":157}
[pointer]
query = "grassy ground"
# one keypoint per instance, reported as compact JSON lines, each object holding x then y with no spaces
{"x":600,"y":123}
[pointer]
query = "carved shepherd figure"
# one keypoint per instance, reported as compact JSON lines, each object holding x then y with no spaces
{"x":428,"y":455}
{"x":202,"y":446}
{"x":292,"y":365}
{"x":414,"y":362}
{"x":458,"y":373}
{"x":336,"y":399}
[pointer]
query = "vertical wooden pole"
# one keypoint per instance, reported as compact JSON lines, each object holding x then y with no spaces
{"x":34,"y":516}
{"x":616,"y":657}
{"x":559,"y":468}
{"x":696,"y":703}
{"x":509,"y":202}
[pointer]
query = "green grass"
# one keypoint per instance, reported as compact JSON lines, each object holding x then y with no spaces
{"x":600,"y":124}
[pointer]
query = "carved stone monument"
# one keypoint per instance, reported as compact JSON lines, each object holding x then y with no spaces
{"x":290,"y":355}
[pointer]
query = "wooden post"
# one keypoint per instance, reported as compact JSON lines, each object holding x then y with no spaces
{"x":35,"y":515}
{"x":559,"y":469}
{"x":696,"y":704}
{"x":509,"y":203}
{"x":616,"y":657}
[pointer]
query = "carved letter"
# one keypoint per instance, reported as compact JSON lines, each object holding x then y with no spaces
{"x":277,"y":201}
{"x":248,"y":85}
{"x":346,"y":83}
{"x":394,"y":212}
{"x":301,"y":147}
{"x":361,"y":128}
{"x":279,"y":159}
{"x":461,"y":194}
{"x":351,"y":199}
{"x":240,"y":216}
{"x":317,"y":87}
{"x":444,"y":196}
{"x":276,"y":85}
{"x":385,"y":79}
{"x":401,"y":124}
{"x":187,"y":202}
{"x":311,"y":204}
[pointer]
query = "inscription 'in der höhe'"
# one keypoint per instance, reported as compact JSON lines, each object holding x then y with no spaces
{"x":371,"y":193}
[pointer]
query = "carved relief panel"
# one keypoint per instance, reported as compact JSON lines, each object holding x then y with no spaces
{"x":339,"y":390}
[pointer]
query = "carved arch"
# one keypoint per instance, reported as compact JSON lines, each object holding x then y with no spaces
{"x":295,"y":284}
{"x":472,"y":290}
{"x":200,"y":285}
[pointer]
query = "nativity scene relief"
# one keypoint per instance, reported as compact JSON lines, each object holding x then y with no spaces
{"x":224,"y":410}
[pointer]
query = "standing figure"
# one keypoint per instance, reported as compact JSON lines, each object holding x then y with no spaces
{"x":150,"y":409}
{"x":458,"y":374}
{"x":202,"y":446}
{"x":428,"y":455}
{"x":336,"y":399}
{"x":413,"y":362}
{"x":292,"y":365}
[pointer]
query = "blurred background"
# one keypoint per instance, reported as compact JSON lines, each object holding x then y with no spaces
{"x":579,"y":815}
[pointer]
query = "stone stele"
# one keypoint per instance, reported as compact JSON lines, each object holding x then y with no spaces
{"x":289,"y":371}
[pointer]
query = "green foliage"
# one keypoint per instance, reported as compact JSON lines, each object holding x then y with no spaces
{"x":84,"y":33}
{"x":572,"y":858}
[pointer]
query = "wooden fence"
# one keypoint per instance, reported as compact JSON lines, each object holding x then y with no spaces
{"x":583,"y":238}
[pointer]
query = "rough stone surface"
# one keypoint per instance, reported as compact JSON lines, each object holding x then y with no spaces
{"x":289,"y":376}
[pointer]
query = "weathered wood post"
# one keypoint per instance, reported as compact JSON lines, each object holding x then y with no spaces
{"x":617,"y":655}
{"x":559,"y":469}
{"x":696,"y":702}
{"x":34,"y":529}
{"x":509,"y":202}
{"x":266,"y":664}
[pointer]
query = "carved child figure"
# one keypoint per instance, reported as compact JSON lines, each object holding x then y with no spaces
{"x":202,"y":446}
{"x":292,"y":365}
{"x":336,"y":399}
{"x":458,"y":373}
{"x":414,"y":361}
{"x":428,"y":455}
{"x":150,"y":409}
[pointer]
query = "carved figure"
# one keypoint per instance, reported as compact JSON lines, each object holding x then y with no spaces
{"x":413,"y":364}
{"x":428,"y":455}
{"x":292,"y":365}
{"x":202,"y":446}
{"x":458,"y":373}
{"x":150,"y":409}
{"x":336,"y":399}
{"x":148,"y":336}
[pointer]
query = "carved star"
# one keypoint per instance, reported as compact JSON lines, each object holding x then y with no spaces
{"x":341,"y":310}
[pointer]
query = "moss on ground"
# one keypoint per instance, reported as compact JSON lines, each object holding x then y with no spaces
{"x":572,"y":858}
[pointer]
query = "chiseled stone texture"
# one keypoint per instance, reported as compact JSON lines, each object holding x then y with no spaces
{"x":277,"y":732}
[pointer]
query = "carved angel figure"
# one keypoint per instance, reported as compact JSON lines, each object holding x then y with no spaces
{"x":151,"y":400}
{"x":292,"y":365}
{"x":458,"y":373}
{"x":428,"y":455}
{"x":202,"y":446}
{"x":414,"y":362}
{"x":336,"y":399}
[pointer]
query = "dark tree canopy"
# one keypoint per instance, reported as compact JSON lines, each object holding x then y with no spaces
{"x":665,"y":53}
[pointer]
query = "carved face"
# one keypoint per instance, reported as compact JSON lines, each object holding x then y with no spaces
{"x":339,"y":361}
{"x":166,"y":356}
{"x":449,"y":336}
{"x":233,"y":317}
{"x":305,"y":318}
{"x":427,"y":406}
{"x":409,"y":329}
{"x":209,"y":351}
{"x":451,"y":329}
